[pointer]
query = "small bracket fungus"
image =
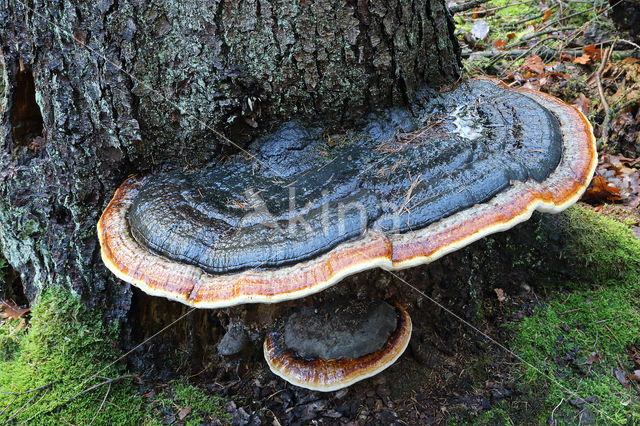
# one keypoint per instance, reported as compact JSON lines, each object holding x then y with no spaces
{"x":332,"y":347}
{"x":304,"y":212}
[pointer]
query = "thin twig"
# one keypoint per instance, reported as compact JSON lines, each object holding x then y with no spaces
{"x":494,"y":9}
{"x":21,"y":408}
{"x":107,"y":381}
{"x":466,"y":6}
{"x":96,"y":386}
{"x":553,"y":421}
{"x":9,"y":405}
{"x":529,"y":36}
{"x":607,"y":115}
{"x":544,"y":53}
{"x":16,"y":395}
{"x":30,"y":390}
{"x":531,"y":18}
{"x":625,"y":104}
{"x":101,"y":405}
{"x":629,"y":42}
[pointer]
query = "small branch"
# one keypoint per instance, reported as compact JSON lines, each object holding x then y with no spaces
{"x":607,"y":114}
{"x":30,"y":390}
{"x":553,"y":421}
{"x":101,"y":405}
{"x":629,"y":42}
{"x":8,"y":405}
{"x":466,"y":6}
{"x":626,"y":104}
{"x":16,"y":395}
{"x":107,"y":381}
{"x":529,"y":36}
{"x":515,"y":53}
{"x":25,"y":405}
{"x":531,"y":18}
{"x":494,"y":9}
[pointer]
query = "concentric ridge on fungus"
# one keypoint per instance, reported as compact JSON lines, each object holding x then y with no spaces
{"x":245,"y":261}
{"x":332,"y":374}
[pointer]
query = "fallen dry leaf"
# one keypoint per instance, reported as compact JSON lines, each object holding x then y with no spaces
{"x":546,"y":15}
{"x":533,"y":64}
{"x":582,"y":103}
{"x":634,"y":355}
{"x":593,"y":358}
{"x":13,"y":311}
{"x":499,"y":44}
{"x":500,"y":294}
{"x":184,"y":413}
{"x":583,"y":60}
{"x":565,"y":57}
{"x":622,"y":173}
{"x":600,"y":192}
{"x":622,"y":378}
{"x":591,"y":50}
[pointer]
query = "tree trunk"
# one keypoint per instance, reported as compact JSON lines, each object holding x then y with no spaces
{"x":95,"y":91}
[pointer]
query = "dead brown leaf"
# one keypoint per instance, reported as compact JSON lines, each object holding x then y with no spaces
{"x":11,"y":310}
{"x":593,"y":358}
{"x":593,"y":52}
{"x":599,"y":192}
{"x":583,"y":60}
{"x":546,"y":15}
{"x":499,"y":44}
{"x":533,"y":64}
{"x":582,"y":103}
{"x":622,"y":378}
{"x":565,"y":57}
{"x":500,"y":294}
{"x":184,"y":412}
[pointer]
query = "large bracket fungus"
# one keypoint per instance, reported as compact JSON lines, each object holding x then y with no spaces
{"x":306,"y":210}
{"x":332,"y":346}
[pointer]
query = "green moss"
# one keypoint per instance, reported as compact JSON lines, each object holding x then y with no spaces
{"x":604,"y":247}
{"x":64,"y":347}
{"x":497,"y":416}
{"x":9,"y":340}
{"x":194,"y":403}
{"x":67,"y":350}
{"x":600,"y":313}
{"x":4,"y":268}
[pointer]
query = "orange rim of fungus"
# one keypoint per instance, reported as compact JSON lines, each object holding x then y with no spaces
{"x":160,"y":276}
{"x":327,"y":375}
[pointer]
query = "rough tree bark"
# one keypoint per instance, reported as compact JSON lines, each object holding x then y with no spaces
{"x":95,"y":91}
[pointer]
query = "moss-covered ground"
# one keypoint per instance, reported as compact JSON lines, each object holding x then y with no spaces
{"x":580,"y":334}
{"x":56,"y":365}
